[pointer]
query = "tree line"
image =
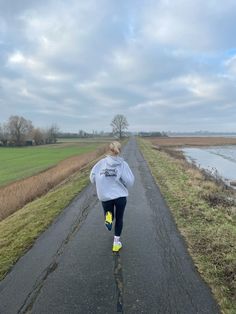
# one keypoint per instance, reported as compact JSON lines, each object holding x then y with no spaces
{"x":18,"y":131}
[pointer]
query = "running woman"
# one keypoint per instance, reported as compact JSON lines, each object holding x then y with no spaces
{"x":113,"y":177}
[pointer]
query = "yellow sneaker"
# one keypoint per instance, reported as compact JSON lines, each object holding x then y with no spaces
{"x":116,"y":246}
{"x":108,"y":220}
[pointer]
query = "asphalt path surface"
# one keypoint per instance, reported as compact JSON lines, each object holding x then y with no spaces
{"x":71,"y":267}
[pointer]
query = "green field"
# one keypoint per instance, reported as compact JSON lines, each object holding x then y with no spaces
{"x":17,"y":163}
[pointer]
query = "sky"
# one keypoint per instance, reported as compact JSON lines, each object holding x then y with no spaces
{"x":166,"y":65}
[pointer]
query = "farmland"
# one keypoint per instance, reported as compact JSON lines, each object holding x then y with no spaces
{"x":22,"y":162}
{"x":192,"y":141}
{"x":28,"y":173}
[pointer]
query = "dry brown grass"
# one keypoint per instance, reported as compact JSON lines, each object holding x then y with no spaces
{"x":192,"y":141}
{"x":14,"y":196}
{"x":205,"y":214}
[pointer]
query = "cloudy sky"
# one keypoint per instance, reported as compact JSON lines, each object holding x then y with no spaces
{"x":164,"y":64}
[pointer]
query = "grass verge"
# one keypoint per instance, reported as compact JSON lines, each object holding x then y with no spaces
{"x":209,"y":228}
{"x":19,"y":231}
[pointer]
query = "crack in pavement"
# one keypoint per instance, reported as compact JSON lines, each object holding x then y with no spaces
{"x":164,"y":235}
{"x":168,"y":251}
{"x":31,"y":298}
{"x":119,"y":281}
{"x":28,"y":304}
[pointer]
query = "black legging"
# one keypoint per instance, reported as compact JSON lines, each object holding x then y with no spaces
{"x":119,"y":204}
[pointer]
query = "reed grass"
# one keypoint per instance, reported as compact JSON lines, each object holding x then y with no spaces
{"x":15,"y":195}
{"x":192,"y":141}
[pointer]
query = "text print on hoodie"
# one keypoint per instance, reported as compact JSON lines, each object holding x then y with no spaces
{"x":113,"y":177}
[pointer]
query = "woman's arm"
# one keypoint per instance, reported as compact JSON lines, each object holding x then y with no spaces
{"x":127,"y":177}
{"x":93,"y":172}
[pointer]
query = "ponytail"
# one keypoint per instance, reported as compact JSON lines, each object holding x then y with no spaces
{"x":115,"y":147}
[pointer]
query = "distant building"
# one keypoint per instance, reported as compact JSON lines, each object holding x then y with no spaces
{"x":152,"y":134}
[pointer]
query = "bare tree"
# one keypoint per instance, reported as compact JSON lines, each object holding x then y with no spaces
{"x":19,"y":128}
{"x":4,"y":134}
{"x":119,"y":125}
{"x":52,"y":134}
{"x":38,"y":136}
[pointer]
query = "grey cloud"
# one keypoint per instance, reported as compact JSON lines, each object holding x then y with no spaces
{"x":195,"y":25}
{"x":77,"y":63}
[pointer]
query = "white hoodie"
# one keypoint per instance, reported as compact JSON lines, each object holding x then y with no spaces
{"x":113,"y":177}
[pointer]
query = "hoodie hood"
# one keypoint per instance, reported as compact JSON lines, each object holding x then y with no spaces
{"x":112,"y":177}
{"x":113,"y":161}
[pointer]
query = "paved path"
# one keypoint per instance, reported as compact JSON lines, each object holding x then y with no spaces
{"x":71,"y":268}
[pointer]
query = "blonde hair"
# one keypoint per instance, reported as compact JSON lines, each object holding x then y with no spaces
{"x":115,"y":147}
